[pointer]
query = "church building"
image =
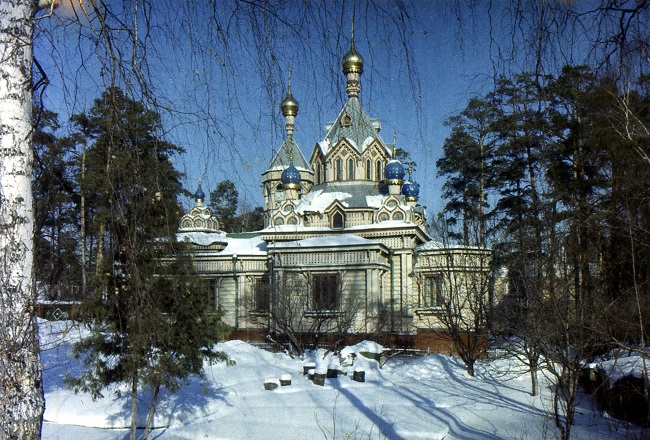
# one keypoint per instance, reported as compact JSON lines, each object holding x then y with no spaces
{"x":345,"y":248}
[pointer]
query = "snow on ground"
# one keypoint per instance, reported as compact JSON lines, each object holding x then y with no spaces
{"x":418,"y":397}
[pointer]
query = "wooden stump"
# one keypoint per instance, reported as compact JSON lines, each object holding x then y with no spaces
{"x":319,"y":379}
{"x":285,"y":380}
{"x":271,"y":384}
{"x":307,"y":366}
{"x":332,"y":373}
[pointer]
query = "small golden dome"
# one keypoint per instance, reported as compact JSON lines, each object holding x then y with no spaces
{"x":289,"y":105}
{"x":352,"y":61}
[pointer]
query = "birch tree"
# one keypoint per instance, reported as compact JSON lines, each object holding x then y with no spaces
{"x":21,"y":399}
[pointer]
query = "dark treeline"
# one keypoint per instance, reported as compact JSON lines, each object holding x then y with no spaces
{"x":107,"y":211}
{"x":552,"y":173}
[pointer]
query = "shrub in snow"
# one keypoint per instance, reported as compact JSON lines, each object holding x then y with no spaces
{"x":368,"y":349}
{"x":271,"y":384}
{"x":620,"y":386}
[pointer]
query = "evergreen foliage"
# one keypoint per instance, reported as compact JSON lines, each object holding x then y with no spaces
{"x":568,"y":215}
{"x":223,"y":204}
{"x":56,"y":263}
{"x":152,"y":323}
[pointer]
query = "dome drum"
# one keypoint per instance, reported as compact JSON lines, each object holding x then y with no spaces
{"x":291,"y":186}
{"x":411,"y":191}
{"x":352,"y":62}
{"x":289,"y":105}
{"x":394,"y":171}
{"x":290,"y":175}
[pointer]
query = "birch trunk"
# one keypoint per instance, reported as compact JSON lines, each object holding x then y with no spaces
{"x":21,"y":397}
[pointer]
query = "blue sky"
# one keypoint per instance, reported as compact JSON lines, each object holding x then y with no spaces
{"x":223,"y":98}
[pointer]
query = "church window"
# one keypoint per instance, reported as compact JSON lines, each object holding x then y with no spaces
{"x":324,"y":292}
{"x":339,"y":170}
{"x":288,"y":208}
{"x":337,"y":220}
{"x":368,"y":170}
{"x":261,"y":295}
{"x":350,"y":169}
{"x":391,"y":204}
{"x":378,"y":171}
{"x":432,"y":292}
{"x":318,"y":168}
{"x":346,"y":121}
{"x":398,"y":216}
{"x":279,"y":221}
{"x":211,"y":288}
{"x":383,"y":217}
{"x":292,"y":221}
{"x":324,"y":172}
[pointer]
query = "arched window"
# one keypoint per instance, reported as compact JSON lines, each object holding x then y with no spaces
{"x":324,"y":172}
{"x":350,"y":169}
{"x":339,"y":170}
{"x":378,"y":171}
{"x":399,"y":215}
{"x":292,"y":221}
{"x":318,"y":173}
{"x":337,"y":220}
{"x":368,"y":170}
{"x":279,"y":221}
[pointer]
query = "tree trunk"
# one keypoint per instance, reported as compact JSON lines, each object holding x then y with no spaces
{"x":134,"y":405}
{"x":21,"y":401}
{"x":152,"y":410}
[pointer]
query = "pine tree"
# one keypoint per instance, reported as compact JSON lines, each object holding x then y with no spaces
{"x":467,"y":160}
{"x":149,"y":314}
{"x":223,"y":204}
{"x":56,"y":264}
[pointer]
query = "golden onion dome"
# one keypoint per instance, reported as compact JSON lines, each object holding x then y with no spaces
{"x":352,"y":62}
{"x":289,"y":105}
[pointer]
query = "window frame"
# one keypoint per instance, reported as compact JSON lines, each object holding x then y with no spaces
{"x":261,"y":287}
{"x":325,"y":292}
{"x":335,"y":224}
{"x":351,"y":169}
{"x":431,"y":293}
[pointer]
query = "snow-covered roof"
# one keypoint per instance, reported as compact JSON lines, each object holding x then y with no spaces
{"x":355,"y":126}
{"x":234,"y":245}
{"x":245,"y":246}
{"x":201,"y":238}
{"x":353,"y":194}
{"x":326,"y":241}
{"x":429,"y":245}
{"x":289,"y":152}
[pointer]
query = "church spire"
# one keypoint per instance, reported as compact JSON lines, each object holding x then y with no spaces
{"x":289,"y":108}
{"x":352,"y":68}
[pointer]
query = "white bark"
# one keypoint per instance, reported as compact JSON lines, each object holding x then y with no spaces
{"x":21,"y":398}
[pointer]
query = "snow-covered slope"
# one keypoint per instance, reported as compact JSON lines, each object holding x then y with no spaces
{"x":424,"y":397}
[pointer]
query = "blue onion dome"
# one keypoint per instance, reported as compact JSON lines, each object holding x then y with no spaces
{"x":289,"y":105}
{"x":290,"y":177}
{"x":352,"y":61}
{"x":411,"y":189}
{"x":394,"y":172}
{"x":199,"y":195}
